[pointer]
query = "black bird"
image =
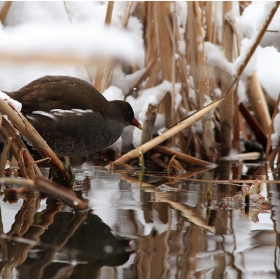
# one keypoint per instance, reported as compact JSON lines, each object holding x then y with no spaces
{"x":72,"y":116}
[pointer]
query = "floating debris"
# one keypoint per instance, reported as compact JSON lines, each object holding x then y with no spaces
{"x":250,"y":196}
{"x":165,"y":188}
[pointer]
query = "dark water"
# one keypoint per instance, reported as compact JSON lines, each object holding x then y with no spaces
{"x":146,"y":226}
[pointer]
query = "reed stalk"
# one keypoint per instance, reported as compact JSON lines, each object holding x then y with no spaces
{"x":5,"y":10}
{"x":226,"y":109}
{"x":101,"y":65}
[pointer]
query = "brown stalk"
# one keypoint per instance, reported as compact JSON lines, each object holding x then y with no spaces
{"x":199,"y":68}
{"x":5,"y":10}
{"x":48,"y":58}
{"x":153,"y":78}
{"x":258,"y":102}
{"x":99,"y":73}
{"x":26,"y":163}
{"x":151,"y":38}
{"x":18,"y":119}
{"x":5,"y":155}
{"x":209,"y":17}
{"x":17,"y":145}
{"x":242,"y":126}
{"x":164,"y":43}
{"x":162,"y":10}
{"x":127,"y":14}
{"x":182,"y":157}
{"x":60,"y":192}
{"x":56,"y":191}
{"x":226,"y":109}
{"x":253,"y":123}
{"x":148,"y":126}
{"x":145,"y":75}
{"x":270,"y":156}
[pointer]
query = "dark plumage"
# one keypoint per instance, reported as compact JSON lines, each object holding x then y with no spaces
{"x":72,"y":116}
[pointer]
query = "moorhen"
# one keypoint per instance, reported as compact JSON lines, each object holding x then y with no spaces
{"x":72,"y":116}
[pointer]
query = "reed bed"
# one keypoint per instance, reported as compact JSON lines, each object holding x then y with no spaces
{"x":175,"y":52}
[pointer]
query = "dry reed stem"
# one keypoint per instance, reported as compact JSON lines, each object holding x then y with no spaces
{"x":242,"y":126}
{"x":244,"y":156}
{"x":162,"y":11}
{"x":109,"y":12}
{"x":51,"y":58}
{"x":100,"y":69}
{"x":258,"y":102}
{"x":214,"y":33}
{"x":5,"y":10}
{"x":209,"y":17}
{"x":5,"y":155}
{"x":18,"y":119}
{"x":270,"y":156}
{"x":151,"y":34}
{"x":153,"y":78}
{"x":126,"y":15}
{"x":18,"y":148}
{"x":54,"y":190}
{"x":164,"y":44}
{"x":200,"y":68}
{"x":236,"y":124}
{"x":59,"y":192}
{"x":182,"y":157}
{"x":148,"y":126}
{"x":253,"y":123}
{"x":145,"y":75}
{"x":226,"y":110}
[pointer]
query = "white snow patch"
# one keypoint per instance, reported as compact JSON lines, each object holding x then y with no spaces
{"x":15,"y":103}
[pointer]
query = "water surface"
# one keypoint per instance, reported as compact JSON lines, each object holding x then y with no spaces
{"x":146,"y":225}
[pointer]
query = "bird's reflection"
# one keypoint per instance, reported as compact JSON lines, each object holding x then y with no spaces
{"x":70,"y":245}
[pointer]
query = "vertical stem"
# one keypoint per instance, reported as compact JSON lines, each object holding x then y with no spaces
{"x":226,"y":109}
{"x":100,"y":69}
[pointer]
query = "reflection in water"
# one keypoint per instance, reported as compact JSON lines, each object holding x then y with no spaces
{"x":178,"y":234}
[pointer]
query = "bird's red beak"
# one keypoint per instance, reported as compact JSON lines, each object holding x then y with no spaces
{"x":137,"y":124}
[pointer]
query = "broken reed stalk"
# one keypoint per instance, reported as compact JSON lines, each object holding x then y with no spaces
{"x":183,"y":157}
{"x":23,"y":125}
{"x":207,"y":109}
{"x":148,"y":126}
